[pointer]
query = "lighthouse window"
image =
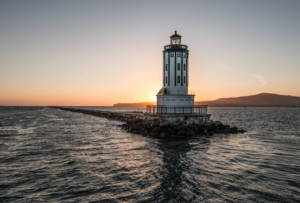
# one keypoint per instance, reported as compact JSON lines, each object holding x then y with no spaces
{"x":166,"y":67}
{"x":172,"y":54}
{"x":183,"y":66}
{"x":184,"y":55}
{"x":183,"y":79}
{"x":179,"y":54}
{"x":178,"y":79}
{"x":178,"y":66}
{"x":166,"y":79}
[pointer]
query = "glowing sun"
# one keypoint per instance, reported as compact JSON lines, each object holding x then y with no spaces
{"x":154,"y":98}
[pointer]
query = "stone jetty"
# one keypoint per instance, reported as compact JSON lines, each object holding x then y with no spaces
{"x":136,"y":123}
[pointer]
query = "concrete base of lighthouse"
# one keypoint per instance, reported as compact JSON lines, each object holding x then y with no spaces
{"x":176,"y":107}
{"x":175,"y":104}
{"x":175,"y":100}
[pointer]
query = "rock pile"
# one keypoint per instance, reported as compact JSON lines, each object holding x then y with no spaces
{"x":160,"y":128}
{"x":166,"y":129}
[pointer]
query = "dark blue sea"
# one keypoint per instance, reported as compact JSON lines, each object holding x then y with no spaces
{"x":50,"y":155}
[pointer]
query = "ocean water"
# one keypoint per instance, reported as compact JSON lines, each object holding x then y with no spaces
{"x":50,"y":155}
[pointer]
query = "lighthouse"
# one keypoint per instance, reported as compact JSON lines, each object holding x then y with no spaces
{"x":173,"y":101}
{"x":174,"y":92}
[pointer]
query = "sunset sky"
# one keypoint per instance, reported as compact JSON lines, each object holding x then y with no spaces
{"x":97,"y":53}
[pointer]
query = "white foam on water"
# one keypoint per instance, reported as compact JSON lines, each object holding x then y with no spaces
{"x":19,"y":129}
{"x":56,"y":119}
{"x":26,"y":131}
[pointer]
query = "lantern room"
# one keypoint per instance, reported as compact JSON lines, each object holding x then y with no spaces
{"x":175,"y":39}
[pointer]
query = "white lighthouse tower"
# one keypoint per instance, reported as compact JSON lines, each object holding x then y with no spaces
{"x":174,"y":92}
{"x":173,"y":101}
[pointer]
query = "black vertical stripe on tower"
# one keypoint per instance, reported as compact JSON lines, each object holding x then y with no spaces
{"x":181,"y":68}
{"x":168,"y":68}
{"x":187,"y":68}
{"x":164,"y":70}
{"x":175,"y":68}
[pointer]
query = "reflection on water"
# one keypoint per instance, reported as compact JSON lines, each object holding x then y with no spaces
{"x":49,"y":155}
{"x":175,"y":162}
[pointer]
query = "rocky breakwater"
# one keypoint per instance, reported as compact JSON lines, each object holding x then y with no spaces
{"x":132,"y":116}
{"x":182,"y":129}
{"x":159,"y":128}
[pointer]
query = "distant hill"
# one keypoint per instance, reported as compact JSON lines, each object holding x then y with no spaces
{"x":258,"y":100}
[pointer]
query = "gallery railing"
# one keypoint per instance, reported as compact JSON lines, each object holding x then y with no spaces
{"x":176,"y":109}
{"x":175,"y":47}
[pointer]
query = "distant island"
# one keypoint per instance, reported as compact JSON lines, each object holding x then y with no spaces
{"x":258,"y":100}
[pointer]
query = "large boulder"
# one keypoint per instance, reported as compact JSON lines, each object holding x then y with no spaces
{"x":214,"y":128}
{"x":201,"y":129}
{"x":190,"y":122}
{"x":233,"y":129}
{"x":164,"y":135}
{"x":175,"y":124}
{"x":135,"y":128}
{"x":124,"y":125}
{"x":153,"y":134}
{"x":180,"y":128}
{"x":225,"y":128}
{"x":197,"y":122}
{"x":189,"y":133}
{"x":209,"y":121}
{"x":164,"y":124}
{"x":211,"y":132}
{"x":207,"y":125}
{"x":156,"y":130}
{"x":195,"y":128}
{"x":180,"y":134}
{"x":217,"y":123}
{"x":134,"y":121}
{"x":241,"y":131}
{"x":154,"y":123}
{"x":170,"y":131}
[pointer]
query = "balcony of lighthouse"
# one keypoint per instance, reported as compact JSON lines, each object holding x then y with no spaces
{"x":196,"y":114}
{"x":160,"y":109}
{"x":175,"y":47}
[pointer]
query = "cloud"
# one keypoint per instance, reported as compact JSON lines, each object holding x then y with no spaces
{"x":261,"y":79}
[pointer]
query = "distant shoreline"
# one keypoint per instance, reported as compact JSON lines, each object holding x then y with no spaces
{"x":246,"y":106}
{"x":142,"y":107}
{"x":258,"y":100}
